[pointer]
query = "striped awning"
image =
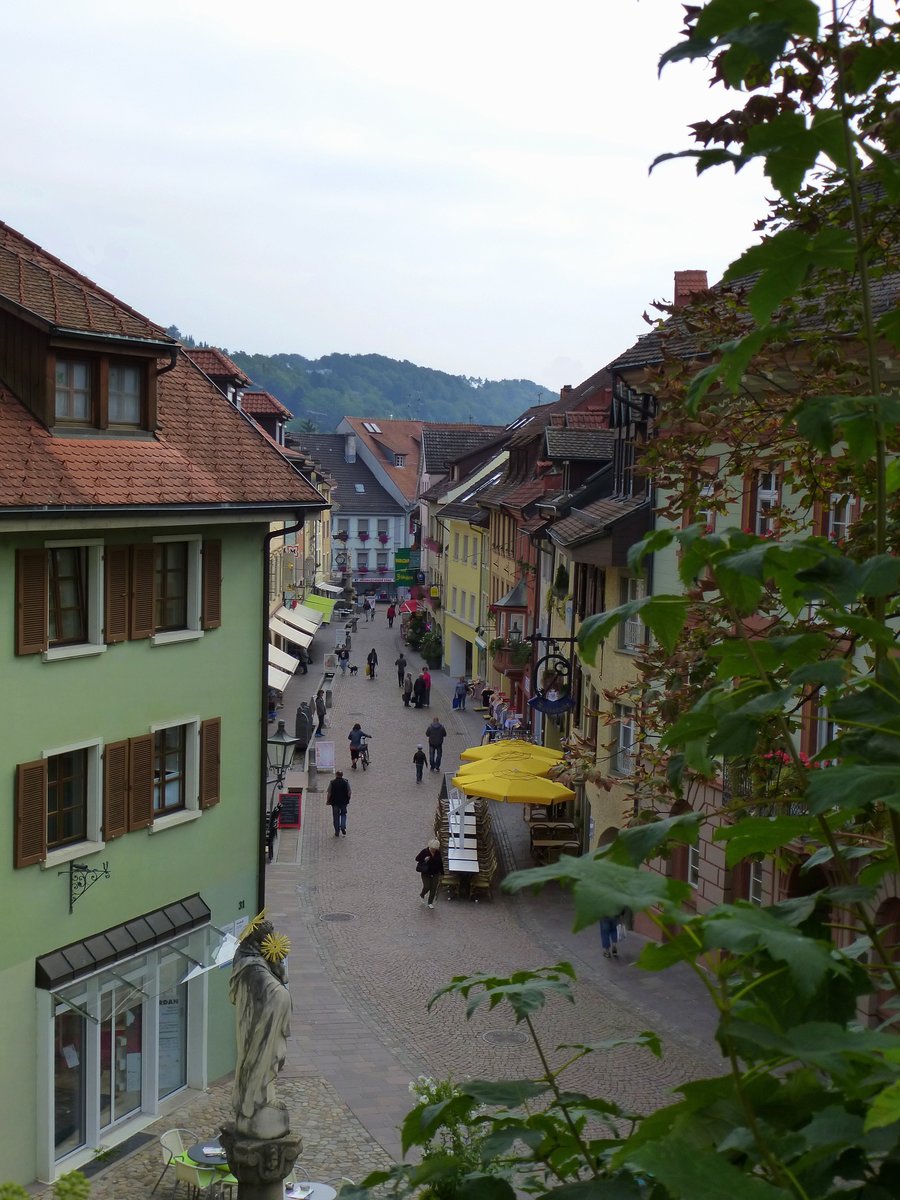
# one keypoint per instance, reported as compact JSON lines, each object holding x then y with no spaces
{"x":290,"y":616}
{"x":278,"y":679}
{"x":290,"y":633}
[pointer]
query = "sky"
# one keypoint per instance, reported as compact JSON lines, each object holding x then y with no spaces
{"x":461,"y":185}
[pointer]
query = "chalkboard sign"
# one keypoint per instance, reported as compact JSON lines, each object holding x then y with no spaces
{"x":290,"y":808}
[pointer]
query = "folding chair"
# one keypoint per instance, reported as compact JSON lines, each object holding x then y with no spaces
{"x":174,"y":1144}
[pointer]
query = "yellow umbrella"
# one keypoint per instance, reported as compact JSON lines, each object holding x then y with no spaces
{"x":509,"y":748}
{"x":513,"y":787}
{"x":532,"y":764}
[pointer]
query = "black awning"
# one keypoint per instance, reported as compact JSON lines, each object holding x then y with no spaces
{"x":120,"y":942}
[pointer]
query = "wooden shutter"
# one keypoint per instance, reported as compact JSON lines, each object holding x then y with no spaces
{"x":115,"y":790}
{"x":143,"y":580}
{"x":211,"y":606}
{"x":140,"y":782}
{"x":210,"y":751}
{"x":31,"y":813}
{"x":31,"y":601}
{"x":115,"y":621}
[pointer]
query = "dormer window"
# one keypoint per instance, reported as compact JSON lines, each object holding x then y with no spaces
{"x":399,"y":460}
{"x":103,"y":392}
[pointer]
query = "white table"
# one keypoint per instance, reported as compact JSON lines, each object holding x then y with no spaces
{"x":309,"y":1190}
{"x":462,"y":866}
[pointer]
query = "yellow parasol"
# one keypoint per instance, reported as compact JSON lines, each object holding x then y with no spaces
{"x":512,"y":786}
{"x":531,"y":764}
{"x":509,"y":748}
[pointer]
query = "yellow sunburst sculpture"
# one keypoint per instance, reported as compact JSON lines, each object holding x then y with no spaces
{"x":275,"y":947}
{"x":253,"y":925}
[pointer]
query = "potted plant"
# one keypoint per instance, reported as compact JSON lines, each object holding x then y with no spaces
{"x":362,"y":535}
{"x":510,"y":658}
{"x":432,"y":649}
{"x":384,"y":538}
{"x":342,"y":535}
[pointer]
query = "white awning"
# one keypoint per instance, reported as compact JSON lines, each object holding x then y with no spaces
{"x":329,"y":587}
{"x":282,"y":660}
{"x":278,"y":679}
{"x":291,"y":616}
{"x":290,"y":633}
{"x":302,"y":611}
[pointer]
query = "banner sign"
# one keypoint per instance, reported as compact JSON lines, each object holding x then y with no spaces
{"x":402,"y":572}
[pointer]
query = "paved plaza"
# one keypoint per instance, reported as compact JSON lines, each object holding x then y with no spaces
{"x":368,"y":954}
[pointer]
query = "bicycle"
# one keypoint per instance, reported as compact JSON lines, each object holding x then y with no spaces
{"x":364,"y":755}
{"x":475,"y":687}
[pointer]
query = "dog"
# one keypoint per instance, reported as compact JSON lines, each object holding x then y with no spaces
{"x":354,"y":670}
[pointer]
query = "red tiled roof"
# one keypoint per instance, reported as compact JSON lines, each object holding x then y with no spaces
{"x":263,"y":402}
{"x":215,"y":363}
{"x":59,"y":296}
{"x":589,"y":419}
{"x":524,"y":493}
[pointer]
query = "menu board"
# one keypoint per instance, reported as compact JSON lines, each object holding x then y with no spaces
{"x":291,"y":803}
{"x":325,"y":756}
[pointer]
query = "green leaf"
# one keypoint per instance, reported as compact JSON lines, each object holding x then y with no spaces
{"x":636,"y":844}
{"x":698,"y":1173}
{"x":893,"y":467}
{"x":420,"y":1124}
{"x":648,"y":1039}
{"x":761,"y":835}
{"x":651,"y":543}
{"x":880,"y":575}
{"x":744,"y":929}
{"x":665,"y":615}
{"x":790,"y":149}
{"x":508,"y":1093}
{"x":841,"y":787}
{"x":889,"y":326}
{"x":602,"y":888}
{"x":830,"y":674}
{"x":525,"y":991}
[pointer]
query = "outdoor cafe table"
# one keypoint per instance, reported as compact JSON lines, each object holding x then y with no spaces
{"x":308,"y":1190}
{"x":464,"y":862}
{"x":210,"y":1153}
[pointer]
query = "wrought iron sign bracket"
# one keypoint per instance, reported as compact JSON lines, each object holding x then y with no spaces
{"x":81,"y":877}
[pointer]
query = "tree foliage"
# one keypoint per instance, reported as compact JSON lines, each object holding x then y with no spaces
{"x":793,"y":362}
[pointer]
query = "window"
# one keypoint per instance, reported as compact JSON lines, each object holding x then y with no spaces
{"x":169,"y":769}
{"x":343,"y":525}
{"x":362,"y":560}
{"x":633,"y":632}
{"x":474,"y":551}
{"x":171,"y":566}
{"x":472,"y":609}
{"x":453,"y":600}
{"x":462,"y":604}
{"x":68,"y":601}
{"x":73,"y":390}
{"x":124,"y":395}
{"x":359,"y":487}
{"x":383,"y":526}
{"x":465,"y":548}
{"x":57,"y":814}
{"x":755,"y":883}
{"x":624,"y":748}
{"x":767,"y":499}
{"x":693,"y":866}
{"x":705,"y":515}
{"x":839,"y":516}
{"x":362,"y":525}
{"x":456,"y":546}
{"x":98,"y":391}
{"x":399,"y":460}
{"x":381,"y":559}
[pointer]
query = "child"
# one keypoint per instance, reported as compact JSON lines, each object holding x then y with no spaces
{"x":420,"y":760}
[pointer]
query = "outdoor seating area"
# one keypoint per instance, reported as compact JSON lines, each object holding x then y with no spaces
{"x":467,"y":844}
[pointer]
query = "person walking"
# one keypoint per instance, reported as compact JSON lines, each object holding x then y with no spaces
{"x":320,"y":712}
{"x":418,"y":691}
{"x":338,"y":797}
{"x":391,"y":613}
{"x":460,"y":692}
{"x":372,"y":662}
{"x":609,"y":936}
{"x":420,"y":760}
{"x":435,"y":734}
{"x":430,"y":865}
{"x":426,"y":679}
{"x":343,"y":658}
{"x":400,"y":664}
{"x":407,"y":690}
{"x":302,"y":660}
{"x":367,"y":609}
{"x":356,"y":737}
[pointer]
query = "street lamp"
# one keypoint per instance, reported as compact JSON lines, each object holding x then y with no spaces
{"x":279,"y":754}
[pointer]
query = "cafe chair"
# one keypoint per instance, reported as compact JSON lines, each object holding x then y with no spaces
{"x":174,"y":1144}
{"x":224,"y":1181}
{"x":199,"y":1179}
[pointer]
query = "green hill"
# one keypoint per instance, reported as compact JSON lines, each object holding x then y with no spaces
{"x":324,"y":390}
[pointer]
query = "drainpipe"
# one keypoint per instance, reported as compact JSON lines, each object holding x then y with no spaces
{"x":263,"y":715}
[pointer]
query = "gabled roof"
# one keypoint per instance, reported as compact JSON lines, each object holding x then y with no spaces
{"x":204,"y":453}
{"x":216,"y":364}
{"x":595,"y":519}
{"x":260,"y":402}
{"x":466,"y":507}
{"x":441,"y":444}
{"x":386,"y":440}
{"x":327,"y":450}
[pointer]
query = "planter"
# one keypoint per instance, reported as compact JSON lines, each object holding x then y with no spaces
{"x":435,"y":661}
{"x":509,"y":661}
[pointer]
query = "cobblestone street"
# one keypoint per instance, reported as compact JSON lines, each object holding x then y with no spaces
{"x":368,"y":954}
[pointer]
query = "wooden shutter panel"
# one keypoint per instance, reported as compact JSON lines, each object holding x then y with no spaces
{"x":211,"y":608}
{"x":143,"y":579}
{"x":115,"y":621}
{"x":31,"y":814}
{"x":115,"y":790}
{"x":210,"y":751}
{"x":140,"y":783}
{"x":31,"y":601}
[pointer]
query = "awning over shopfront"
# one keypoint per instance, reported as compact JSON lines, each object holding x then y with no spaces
{"x":282,"y":660}
{"x":330,"y":588}
{"x":278,"y":679}
{"x":290,"y":616}
{"x":323,"y":604}
{"x":304,"y":611}
{"x":290,"y":633}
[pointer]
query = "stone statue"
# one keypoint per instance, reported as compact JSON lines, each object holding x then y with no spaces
{"x":262,"y":1004}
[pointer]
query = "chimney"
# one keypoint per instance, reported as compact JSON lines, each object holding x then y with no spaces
{"x":350,"y":447}
{"x":686,"y":284}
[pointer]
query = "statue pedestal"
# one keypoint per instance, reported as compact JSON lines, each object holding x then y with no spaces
{"x":260,"y":1163}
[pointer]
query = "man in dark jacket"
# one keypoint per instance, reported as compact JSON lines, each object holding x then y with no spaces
{"x":320,"y":712}
{"x":400,"y":664}
{"x":418,"y":691}
{"x":435,"y":734}
{"x":338,"y":797}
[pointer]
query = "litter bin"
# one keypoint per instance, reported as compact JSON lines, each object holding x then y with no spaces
{"x":303,"y":726}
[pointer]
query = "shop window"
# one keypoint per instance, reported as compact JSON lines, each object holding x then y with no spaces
{"x":121,"y":1053}
{"x":172,"y":1041}
{"x":70,"y":1127}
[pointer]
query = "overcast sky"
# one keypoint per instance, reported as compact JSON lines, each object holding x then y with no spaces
{"x":463,"y":185}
